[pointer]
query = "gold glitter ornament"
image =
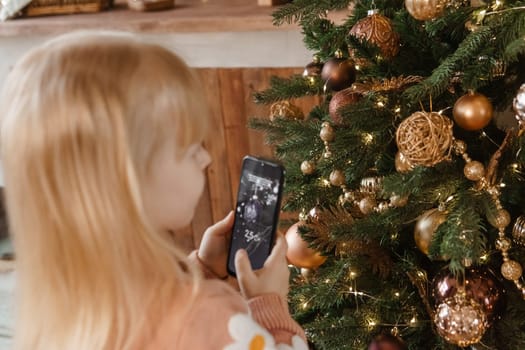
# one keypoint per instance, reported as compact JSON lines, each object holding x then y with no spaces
{"x":425,"y":10}
{"x":286,"y":110}
{"x":500,"y":220}
{"x":474,"y":170}
{"x":398,"y":201}
{"x":511,"y":270}
{"x":460,"y":320}
{"x":307,"y":167}
{"x":378,"y":30}
{"x":425,"y":138}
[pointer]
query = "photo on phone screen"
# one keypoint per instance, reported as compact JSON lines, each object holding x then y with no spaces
{"x":257,"y":211}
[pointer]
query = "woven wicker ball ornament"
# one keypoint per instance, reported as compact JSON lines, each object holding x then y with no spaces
{"x":425,"y":138}
{"x":424,"y":10}
{"x":377,"y":30}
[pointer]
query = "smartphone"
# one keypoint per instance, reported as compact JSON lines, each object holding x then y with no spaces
{"x":257,"y":211}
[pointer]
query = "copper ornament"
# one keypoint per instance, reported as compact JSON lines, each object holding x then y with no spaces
{"x":473,"y":111}
{"x":341,"y":99}
{"x":480,"y":284}
{"x":339,"y":73}
{"x":314,"y":68}
{"x":378,"y":30}
{"x":298,"y":253}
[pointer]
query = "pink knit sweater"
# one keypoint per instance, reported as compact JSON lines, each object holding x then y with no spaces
{"x":220,"y":318}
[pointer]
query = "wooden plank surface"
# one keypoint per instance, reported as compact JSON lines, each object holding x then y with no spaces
{"x":187,"y":16}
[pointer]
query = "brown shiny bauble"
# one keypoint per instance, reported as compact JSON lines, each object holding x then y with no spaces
{"x":307,"y":167}
{"x":387,"y":342}
{"x":313,"y":69}
{"x":377,"y":30}
{"x":473,"y":111}
{"x":402,"y":163}
{"x":337,"y":178}
{"x":341,"y":99}
{"x":426,"y":227}
{"x":367,"y":205}
{"x":425,"y":10}
{"x":327,"y":133}
{"x":298,"y":253}
{"x":338,"y":73}
{"x":480,"y":284}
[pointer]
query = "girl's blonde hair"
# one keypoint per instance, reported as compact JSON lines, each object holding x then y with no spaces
{"x":82,"y":118}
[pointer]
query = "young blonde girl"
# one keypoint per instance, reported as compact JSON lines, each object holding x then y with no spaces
{"x":101,"y":147}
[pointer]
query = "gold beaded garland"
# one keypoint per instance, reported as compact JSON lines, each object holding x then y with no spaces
{"x":307,"y":167}
{"x":511,"y":270}
{"x":337,"y":178}
{"x":474,"y":170}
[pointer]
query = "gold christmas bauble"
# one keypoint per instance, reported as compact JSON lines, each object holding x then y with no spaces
{"x":367,"y":205}
{"x":341,"y":99}
{"x":337,"y":178}
{"x":426,"y":227}
{"x":474,"y":170}
{"x":285,"y":109}
{"x":500,"y":220}
{"x":298,"y":253}
{"x":473,"y":111}
{"x":402,"y":163}
{"x":425,"y":10}
{"x":511,"y":270}
{"x":461,"y":320}
{"x":307,"y":167}
{"x":425,"y":138}
{"x":398,"y":201}
{"x":327,"y":133}
{"x":378,"y":30}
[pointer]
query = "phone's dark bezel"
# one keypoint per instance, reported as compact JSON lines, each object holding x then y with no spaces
{"x":264,"y":162}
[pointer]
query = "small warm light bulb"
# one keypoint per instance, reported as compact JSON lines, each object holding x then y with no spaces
{"x":413,"y":321}
{"x":372,"y":323}
{"x":397,"y":110}
{"x":357,"y":67}
{"x":325,"y":182}
{"x":498,"y":3}
{"x":502,"y":185}
{"x":327,"y":280}
{"x":368,"y":138}
{"x":352,"y":274}
{"x":305,"y":305}
{"x":514,"y":166}
{"x":484,"y":257}
{"x":380,"y":104}
{"x":397,"y":294}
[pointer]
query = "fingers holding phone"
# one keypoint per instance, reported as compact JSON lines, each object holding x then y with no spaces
{"x":273,"y":277}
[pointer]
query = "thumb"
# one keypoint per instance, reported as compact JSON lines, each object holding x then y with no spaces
{"x":245,"y":274}
{"x":224,"y":226}
{"x":278,"y":253}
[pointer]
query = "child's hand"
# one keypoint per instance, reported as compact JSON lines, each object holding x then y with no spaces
{"x":213,"y":251}
{"x":272,"y":278}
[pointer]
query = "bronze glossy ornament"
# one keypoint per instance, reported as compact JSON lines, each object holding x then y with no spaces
{"x":426,"y":227}
{"x":474,"y":170}
{"x":378,"y":30}
{"x":473,"y":111}
{"x":339,"y":73}
{"x":402,"y":163}
{"x":313,"y":69}
{"x":460,"y":320}
{"x":341,"y":99}
{"x":299,"y":253}
{"x":425,"y":138}
{"x":387,"y":342}
{"x":337,"y":178}
{"x":519,"y":104}
{"x":307,"y":167}
{"x":425,"y":10}
{"x":480,"y":284}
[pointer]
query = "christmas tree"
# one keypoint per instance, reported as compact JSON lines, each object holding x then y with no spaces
{"x":408,"y":176}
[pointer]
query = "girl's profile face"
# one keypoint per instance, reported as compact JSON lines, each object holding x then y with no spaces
{"x":173,"y":186}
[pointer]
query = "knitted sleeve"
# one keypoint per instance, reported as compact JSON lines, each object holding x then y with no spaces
{"x":221,"y":319}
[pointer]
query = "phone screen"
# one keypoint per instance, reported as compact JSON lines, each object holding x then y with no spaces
{"x":256,"y":212}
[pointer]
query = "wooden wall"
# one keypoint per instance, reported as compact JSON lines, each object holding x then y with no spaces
{"x":229,"y":93}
